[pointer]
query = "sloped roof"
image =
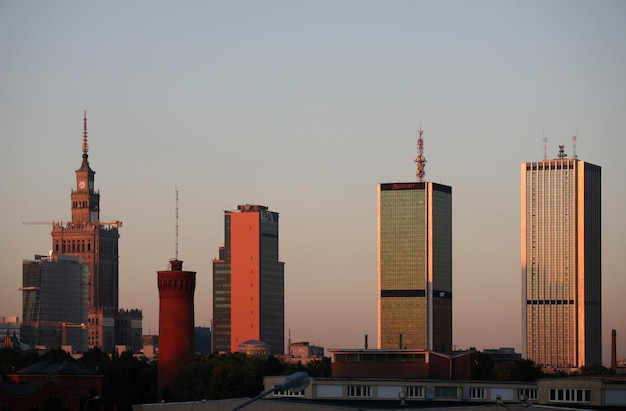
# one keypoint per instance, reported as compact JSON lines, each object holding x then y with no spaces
{"x":21,"y":389}
{"x":55,"y":368}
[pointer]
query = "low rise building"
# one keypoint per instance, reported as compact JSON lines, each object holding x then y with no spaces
{"x":406,"y":363}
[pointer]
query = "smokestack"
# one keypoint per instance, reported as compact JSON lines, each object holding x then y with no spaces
{"x":613,"y":350}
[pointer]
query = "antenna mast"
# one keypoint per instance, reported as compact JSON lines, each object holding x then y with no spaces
{"x":420,"y":159}
{"x":85,"y":146}
{"x":176,"y":253}
{"x":574,"y":156}
{"x":545,"y":147}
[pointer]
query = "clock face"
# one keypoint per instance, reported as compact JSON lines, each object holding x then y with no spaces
{"x":81,"y":185}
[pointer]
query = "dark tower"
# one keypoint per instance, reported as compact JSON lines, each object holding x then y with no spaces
{"x":176,"y":322}
{"x":97,"y":243}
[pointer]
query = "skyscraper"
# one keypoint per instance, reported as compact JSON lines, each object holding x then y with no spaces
{"x":176,"y":322}
{"x":97,"y":243}
{"x":248,"y":282}
{"x":415,"y":263}
{"x":561,"y":262}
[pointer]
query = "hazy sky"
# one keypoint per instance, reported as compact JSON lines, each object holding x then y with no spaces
{"x":304,"y":106}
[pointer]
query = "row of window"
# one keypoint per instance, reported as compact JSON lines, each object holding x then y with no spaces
{"x":569,"y":395}
{"x":442,"y":392}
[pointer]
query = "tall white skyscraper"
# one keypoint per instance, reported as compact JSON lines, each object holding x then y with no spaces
{"x":561,"y":262}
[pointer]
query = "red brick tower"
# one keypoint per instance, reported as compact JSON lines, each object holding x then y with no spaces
{"x":176,"y":322}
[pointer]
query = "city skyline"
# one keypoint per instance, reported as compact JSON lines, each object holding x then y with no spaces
{"x":307,"y":107}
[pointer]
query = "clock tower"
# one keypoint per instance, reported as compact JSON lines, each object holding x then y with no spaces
{"x":97,"y":243}
{"x":85,"y":201}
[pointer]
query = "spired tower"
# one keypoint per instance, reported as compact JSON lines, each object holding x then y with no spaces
{"x":97,"y":243}
{"x":415,"y":263}
{"x":176,"y":323}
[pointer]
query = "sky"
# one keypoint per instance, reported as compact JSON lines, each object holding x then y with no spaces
{"x":305,"y":106}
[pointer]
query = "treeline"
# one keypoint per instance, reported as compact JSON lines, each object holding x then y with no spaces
{"x":128,"y":380}
{"x":522,"y":370}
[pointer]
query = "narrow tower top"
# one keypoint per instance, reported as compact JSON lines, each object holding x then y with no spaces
{"x":85,"y":146}
{"x":420,"y":159}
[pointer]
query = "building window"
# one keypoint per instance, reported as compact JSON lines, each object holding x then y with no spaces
{"x":477,"y":393}
{"x":289,"y":393}
{"x":445,"y":392}
{"x":415,"y":391}
{"x":527,"y":394}
{"x":359,"y":391}
{"x":569,"y":395}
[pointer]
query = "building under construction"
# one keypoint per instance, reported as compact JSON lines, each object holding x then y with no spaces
{"x":55,"y":302}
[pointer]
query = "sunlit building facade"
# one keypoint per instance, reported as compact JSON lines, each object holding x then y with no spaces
{"x":248,"y":282}
{"x":415,"y":266}
{"x":561,"y":262}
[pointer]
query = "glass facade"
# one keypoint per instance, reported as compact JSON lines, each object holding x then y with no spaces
{"x":55,"y":301}
{"x":415,"y":266}
{"x":561,"y":263}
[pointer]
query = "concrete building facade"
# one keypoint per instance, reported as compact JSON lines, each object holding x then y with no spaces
{"x":561,"y":262}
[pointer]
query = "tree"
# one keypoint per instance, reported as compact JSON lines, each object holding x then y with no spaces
{"x":594,"y":369}
{"x":518,"y":370}
{"x":319,"y":368}
{"x":482,"y":366}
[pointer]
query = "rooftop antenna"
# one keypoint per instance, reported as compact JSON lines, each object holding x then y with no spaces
{"x":176,"y":253}
{"x":545,"y":146}
{"x":574,"y":156}
{"x":420,"y":159}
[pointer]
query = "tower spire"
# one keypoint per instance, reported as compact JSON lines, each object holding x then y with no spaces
{"x":85,"y":146}
{"x":420,"y":159}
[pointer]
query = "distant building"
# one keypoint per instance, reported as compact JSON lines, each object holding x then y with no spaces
{"x":357,"y":363}
{"x":96,"y":242}
{"x":39,"y":385}
{"x":415,"y":264}
{"x":128,"y":329}
{"x":254,"y":348}
{"x":561,"y":246}
{"x":55,"y":302}
{"x":500,"y":355}
{"x":176,"y":323}
{"x":10,"y":326}
{"x":202,"y":337}
{"x":248,"y":282}
{"x":305,"y":350}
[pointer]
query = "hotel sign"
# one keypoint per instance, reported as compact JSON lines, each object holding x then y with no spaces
{"x":402,"y":186}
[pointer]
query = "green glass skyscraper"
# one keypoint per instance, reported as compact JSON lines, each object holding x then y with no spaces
{"x":415,"y":264}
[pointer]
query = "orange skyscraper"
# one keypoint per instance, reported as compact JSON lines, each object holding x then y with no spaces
{"x":248,"y":282}
{"x":176,"y":322}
